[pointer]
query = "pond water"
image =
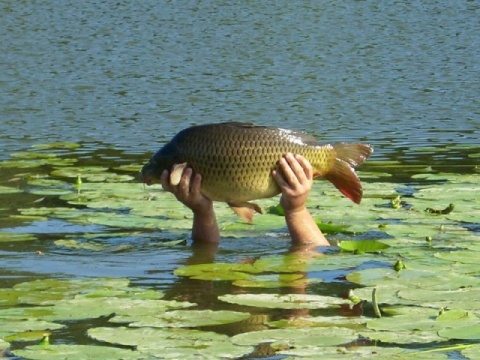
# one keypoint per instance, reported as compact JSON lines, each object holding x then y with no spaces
{"x":95,"y":87}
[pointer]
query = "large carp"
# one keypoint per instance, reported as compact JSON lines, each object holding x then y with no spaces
{"x":236,"y":161}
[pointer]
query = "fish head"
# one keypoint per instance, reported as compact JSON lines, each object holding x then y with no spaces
{"x":151,"y":172}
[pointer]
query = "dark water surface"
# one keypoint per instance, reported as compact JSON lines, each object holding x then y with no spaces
{"x":120,"y":78}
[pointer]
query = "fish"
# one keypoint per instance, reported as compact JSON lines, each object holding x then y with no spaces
{"x":236,"y":161}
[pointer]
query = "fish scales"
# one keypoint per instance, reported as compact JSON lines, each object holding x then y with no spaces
{"x":236,"y":160}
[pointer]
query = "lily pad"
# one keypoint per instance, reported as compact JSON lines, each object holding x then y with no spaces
{"x":9,"y":190}
{"x":217,"y":271}
{"x":10,"y":326}
{"x":74,"y":352}
{"x":472,"y":352}
{"x":11,"y":237}
{"x":57,"y":145}
{"x":4,"y":345}
{"x":74,"y":244}
{"x":174,"y":344}
{"x":471,"y":332}
{"x":73,"y":172}
{"x":364,"y":246}
{"x":289,"y":301}
{"x":297,"y":338}
{"x":183,"y":318}
{"x":275,"y":281}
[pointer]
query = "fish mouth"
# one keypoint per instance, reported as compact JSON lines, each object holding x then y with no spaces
{"x":147,"y":180}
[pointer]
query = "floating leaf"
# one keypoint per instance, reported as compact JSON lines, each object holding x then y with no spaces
{"x":10,"y":237}
{"x":471,"y":332}
{"x":275,"y":281}
{"x":74,"y":244}
{"x":364,"y":246}
{"x":73,"y":172}
{"x":297,"y":338}
{"x":217,"y":271}
{"x":184,"y":318}
{"x":9,"y":190}
{"x":472,"y":352}
{"x":290,"y":301}
{"x":36,"y":335}
{"x":57,"y":145}
{"x":174,"y":344}
{"x":75,"y":352}
{"x":11,"y":326}
{"x":4,"y":345}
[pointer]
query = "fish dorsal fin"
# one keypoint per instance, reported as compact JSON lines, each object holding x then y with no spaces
{"x":301,"y":136}
{"x":297,"y":136}
{"x":240,"y":124}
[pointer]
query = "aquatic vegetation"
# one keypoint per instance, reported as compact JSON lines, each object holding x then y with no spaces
{"x":414,"y":244}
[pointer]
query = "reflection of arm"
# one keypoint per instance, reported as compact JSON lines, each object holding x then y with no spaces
{"x":295,"y":181}
{"x":204,"y":228}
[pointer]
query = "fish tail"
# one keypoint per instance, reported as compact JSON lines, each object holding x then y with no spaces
{"x":342,"y":174}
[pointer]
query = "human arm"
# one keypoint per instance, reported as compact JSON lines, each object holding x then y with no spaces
{"x":295,"y":180}
{"x":204,"y":227}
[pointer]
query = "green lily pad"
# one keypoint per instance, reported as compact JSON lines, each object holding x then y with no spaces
{"x":217,"y":271}
{"x":472,"y":352}
{"x":471,"y":332}
{"x":73,"y":352}
{"x":4,"y":345}
{"x":9,"y":190}
{"x":462,"y":256}
{"x":364,"y":246}
{"x":184,"y":318}
{"x":10,"y":237}
{"x":11,"y":326}
{"x":403,"y":337}
{"x":297,"y":338}
{"x":36,"y":335}
{"x":74,"y":244}
{"x":174,"y":344}
{"x":32,"y":155}
{"x":425,"y":295}
{"x":362,"y":352}
{"x":290,"y":301}
{"x":73,"y":172}
{"x":275,"y":281}
{"x":57,"y":145}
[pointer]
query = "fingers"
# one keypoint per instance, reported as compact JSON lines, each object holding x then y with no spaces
{"x":184,"y":185}
{"x":165,"y":180}
{"x":296,"y":171}
{"x":306,"y":166}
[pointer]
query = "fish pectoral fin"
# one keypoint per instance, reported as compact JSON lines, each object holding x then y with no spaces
{"x":177,"y":173}
{"x":245,"y":210}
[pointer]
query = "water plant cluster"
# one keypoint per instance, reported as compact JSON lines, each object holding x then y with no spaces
{"x":402,"y":279}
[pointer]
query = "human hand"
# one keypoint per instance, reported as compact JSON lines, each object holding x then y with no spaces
{"x":295,"y":180}
{"x":188,"y":190}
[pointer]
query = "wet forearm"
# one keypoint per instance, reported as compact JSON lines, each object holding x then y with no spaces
{"x":205,"y":227}
{"x":303,"y":229}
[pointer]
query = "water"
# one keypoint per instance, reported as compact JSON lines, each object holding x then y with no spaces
{"x":130,"y":75}
{"x":122,"y":77}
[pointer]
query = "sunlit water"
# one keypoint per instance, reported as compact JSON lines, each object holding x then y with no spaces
{"x":123,"y":77}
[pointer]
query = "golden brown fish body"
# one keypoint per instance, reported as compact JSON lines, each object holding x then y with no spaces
{"x":236,"y":160}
